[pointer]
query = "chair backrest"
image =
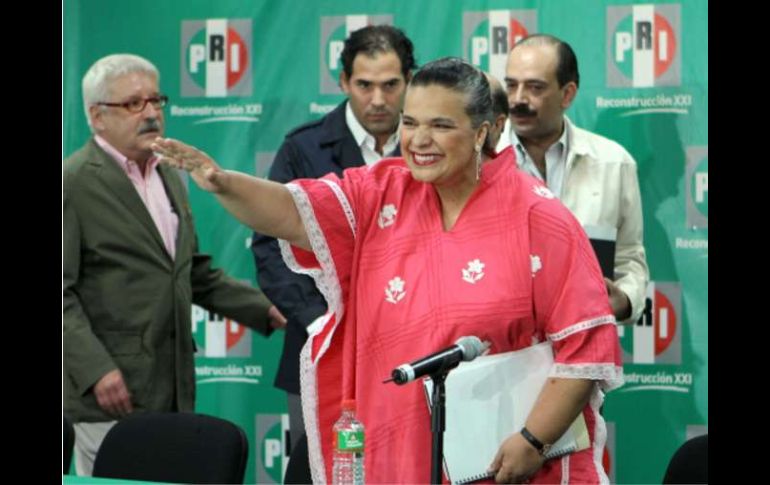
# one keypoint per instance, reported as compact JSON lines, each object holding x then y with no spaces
{"x":68,"y":443}
{"x":173,"y":447}
{"x":690,"y":462}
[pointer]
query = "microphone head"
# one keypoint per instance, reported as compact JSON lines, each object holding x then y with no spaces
{"x":402,"y":374}
{"x":471,"y":347}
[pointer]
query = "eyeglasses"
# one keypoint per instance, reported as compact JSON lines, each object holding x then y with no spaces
{"x":137,"y":105}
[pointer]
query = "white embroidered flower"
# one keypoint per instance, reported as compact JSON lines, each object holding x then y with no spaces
{"x":476,"y":266}
{"x":395,"y":291}
{"x":396,"y":284}
{"x":474,"y":272}
{"x":387,"y":216}
{"x":543,"y":191}
{"x":535,"y":263}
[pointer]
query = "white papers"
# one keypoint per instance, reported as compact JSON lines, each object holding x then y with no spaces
{"x":489,"y":399}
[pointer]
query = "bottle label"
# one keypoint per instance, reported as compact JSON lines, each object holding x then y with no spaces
{"x":350,"y":441}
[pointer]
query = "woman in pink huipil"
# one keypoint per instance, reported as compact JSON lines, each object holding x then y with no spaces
{"x":414,"y":252}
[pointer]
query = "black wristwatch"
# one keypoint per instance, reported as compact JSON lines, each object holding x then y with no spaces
{"x":539,"y":446}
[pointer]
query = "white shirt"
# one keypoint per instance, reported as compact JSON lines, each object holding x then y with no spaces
{"x":555,"y":160}
{"x":151,"y":190}
{"x":599,"y":184}
{"x":366,"y":141}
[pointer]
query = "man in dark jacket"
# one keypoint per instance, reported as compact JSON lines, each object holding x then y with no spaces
{"x":377,"y":63}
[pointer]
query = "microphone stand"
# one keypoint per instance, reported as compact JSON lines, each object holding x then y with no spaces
{"x":437,"y":411}
{"x":438,"y":419}
{"x":437,"y":424}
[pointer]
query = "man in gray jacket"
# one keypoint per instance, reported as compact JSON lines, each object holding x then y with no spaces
{"x":131,"y":264}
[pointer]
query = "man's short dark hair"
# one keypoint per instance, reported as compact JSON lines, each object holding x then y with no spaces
{"x":566,"y":64}
{"x":378,"y":39}
{"x":499,"y":100}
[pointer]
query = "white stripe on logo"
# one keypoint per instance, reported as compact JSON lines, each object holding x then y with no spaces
{"x":216,"y":69}
{"x":499,"y":21}
{"x":644,"y":60}
{"x":355,"y":22}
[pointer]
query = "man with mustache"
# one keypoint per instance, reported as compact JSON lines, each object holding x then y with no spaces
{"x":131,"y":264}
{"x":377,"y":62}
{"x":593,"y":176}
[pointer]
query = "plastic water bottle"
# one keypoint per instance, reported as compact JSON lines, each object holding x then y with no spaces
{"x":348,"y":467}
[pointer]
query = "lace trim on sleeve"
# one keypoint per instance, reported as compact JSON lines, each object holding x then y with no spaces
{"x":344,"y":203}
{"x":610,"y":375}
{"x":325,"y":278}
{"x":581,"y":326}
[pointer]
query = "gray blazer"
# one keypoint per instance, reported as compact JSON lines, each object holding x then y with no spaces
{"x":126,"y":302}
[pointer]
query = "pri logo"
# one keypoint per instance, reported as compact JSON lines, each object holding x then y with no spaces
{"x":215,"y":58}
{"x":272,"y":450}
{"x":643,"y":48}
{"x":334,"y":31}
{"x":216,"y":336}
{"x":489,"y":35}
{"x":697,"y":187}
{"x":657,"y":337}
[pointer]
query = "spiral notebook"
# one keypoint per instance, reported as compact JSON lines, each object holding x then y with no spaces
{"x":489,"y":399}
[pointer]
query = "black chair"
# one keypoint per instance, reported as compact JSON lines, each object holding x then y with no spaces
{"x":68,"y":443}
{"x":173,"y":447}
{"x":690,"y":462}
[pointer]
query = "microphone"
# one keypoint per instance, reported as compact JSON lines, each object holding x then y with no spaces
{"x":464,"y":349}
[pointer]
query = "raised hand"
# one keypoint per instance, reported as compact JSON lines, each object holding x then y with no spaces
{"x":264,"y":206}
{"x":203,"y":169}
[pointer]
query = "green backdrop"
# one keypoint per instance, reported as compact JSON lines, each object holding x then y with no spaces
{"x":241,"y":74}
